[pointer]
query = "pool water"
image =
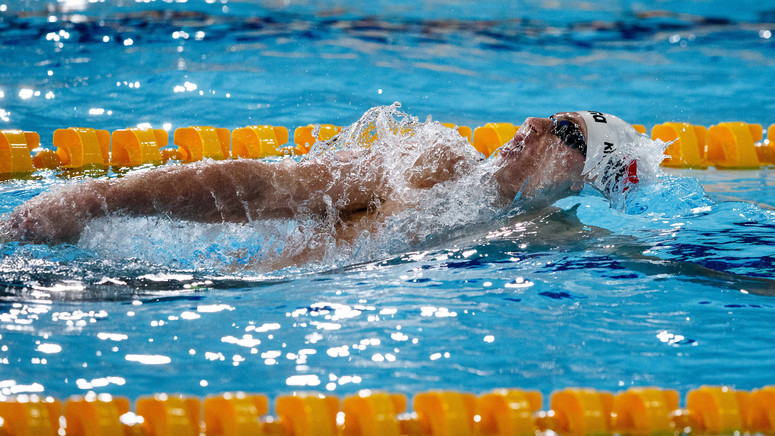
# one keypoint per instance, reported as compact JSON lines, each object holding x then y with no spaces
{"x":670,"y":288}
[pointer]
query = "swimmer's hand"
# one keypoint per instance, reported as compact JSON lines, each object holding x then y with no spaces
{"x":55,"y":217}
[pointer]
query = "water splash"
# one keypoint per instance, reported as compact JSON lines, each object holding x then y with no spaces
{"x":609,"y":175}
{"x":385,"y":144}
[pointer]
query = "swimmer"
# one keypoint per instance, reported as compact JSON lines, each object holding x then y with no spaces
{"x":547,"y":159}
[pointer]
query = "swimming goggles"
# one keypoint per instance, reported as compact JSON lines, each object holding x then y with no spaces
{"x":570,"y":134}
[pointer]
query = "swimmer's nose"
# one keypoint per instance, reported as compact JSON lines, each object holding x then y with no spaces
{"x":540,"y":125}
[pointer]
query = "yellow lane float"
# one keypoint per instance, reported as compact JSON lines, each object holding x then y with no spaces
{"x":639,"y":411}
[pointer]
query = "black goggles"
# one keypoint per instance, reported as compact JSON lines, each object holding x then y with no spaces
{"x":570,"y":134}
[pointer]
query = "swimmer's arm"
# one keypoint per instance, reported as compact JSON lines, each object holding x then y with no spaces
{"x":651,"y":265}
{"x":630,"y":253}
{"x":202,"y":192}
{"x":233,"y":191}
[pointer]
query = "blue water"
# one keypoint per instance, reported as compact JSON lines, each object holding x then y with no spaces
{"x":574,"y":297}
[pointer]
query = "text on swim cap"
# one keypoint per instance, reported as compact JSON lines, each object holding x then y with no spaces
{"x":599,"y":117}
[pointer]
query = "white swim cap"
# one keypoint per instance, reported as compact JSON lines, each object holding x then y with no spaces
{"x":611,"y":164}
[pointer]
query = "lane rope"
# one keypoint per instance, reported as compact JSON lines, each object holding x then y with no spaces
{"x":708,"y":410}
{"x":727,"y":145}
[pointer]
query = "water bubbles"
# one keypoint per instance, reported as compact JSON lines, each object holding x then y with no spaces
{"x":212,"y":308}
{"x":186,"y":87}
{"x":135,"y":84}
{"x":303,"y":380}
{"x":148,"y":359}
{"x":100,"y":382}
{"x":247,"y":341}
{"x":27,"y":93}
{"x":57,"y":36}
{"x":112,"y":336}
{"x":49,"y":348}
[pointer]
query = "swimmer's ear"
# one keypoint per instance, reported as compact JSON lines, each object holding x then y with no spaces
{"x":576,"y":187}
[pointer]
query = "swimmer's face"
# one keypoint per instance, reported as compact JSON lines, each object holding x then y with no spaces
{"x":545,"y":158}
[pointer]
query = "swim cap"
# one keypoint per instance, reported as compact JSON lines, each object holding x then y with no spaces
{"x":610,"y":166}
